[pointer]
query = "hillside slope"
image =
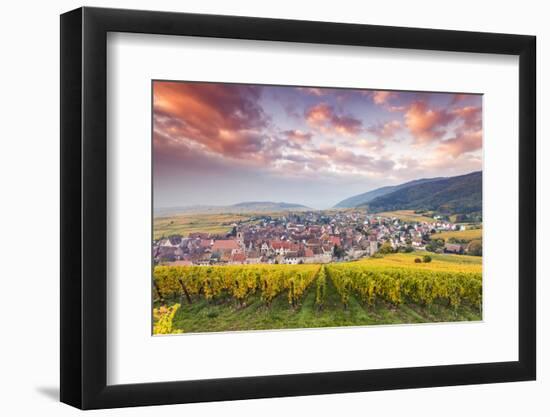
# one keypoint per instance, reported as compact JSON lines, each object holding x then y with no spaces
{"x":461,"y":194}
{"x":364,"y":198}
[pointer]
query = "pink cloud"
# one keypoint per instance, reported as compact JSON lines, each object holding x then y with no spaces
{"x":319,"y":114}
{"x":457,"y":98}
{"x":386,"y":130}
{"x":298,"y":136}
{"x":346,"y":125}
{"x":462,"y":143}
{"x":408,"y":163}
{"x":323,"y":117}
{"x":314,"y":91}
{"x":471,"y":116}
{"x":468,"y":136}
{"x":348,"y":159}
{"x":426,"y":124}
{"x":395,"y":108}
{"x":381,"y":97}
{"x":225,"y":119}
{"x":226,"y":125}
{"x":430,"y":124}
{"x":371,"y":145}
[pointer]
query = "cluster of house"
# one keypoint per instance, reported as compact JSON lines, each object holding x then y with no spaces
{"x":416,"y":235}
{"x":310,"y":237}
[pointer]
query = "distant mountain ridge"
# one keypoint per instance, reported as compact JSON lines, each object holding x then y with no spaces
{"x":459,"y":194}
{"x":363,"y":198}
{"x":269,"y":205}
{"x":243,"y":207}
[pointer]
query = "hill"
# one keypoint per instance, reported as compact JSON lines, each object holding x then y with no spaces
{"x":361,"y":199}
{"x":460,"y":194}
{"x":255,"y":206}
{"x":244,"y":207}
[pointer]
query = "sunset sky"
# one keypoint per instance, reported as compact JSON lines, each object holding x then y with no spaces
{"x":221,"y":144}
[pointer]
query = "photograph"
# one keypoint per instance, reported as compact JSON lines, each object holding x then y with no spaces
{"x":285,"y":207}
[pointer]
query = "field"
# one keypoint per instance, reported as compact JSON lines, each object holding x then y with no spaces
{"x":184,"y":224}
{"x":390,"y":290}
{"x":440,"y":262}
{"x":465,"y":235}
{"x":406,"y":216}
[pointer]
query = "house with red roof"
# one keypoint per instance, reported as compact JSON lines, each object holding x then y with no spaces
{"x":225,"y":244}
{"x":238,"y":258}
{"x":282,"y":247}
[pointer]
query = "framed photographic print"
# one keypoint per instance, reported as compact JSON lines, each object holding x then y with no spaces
{"x":257,"y":208}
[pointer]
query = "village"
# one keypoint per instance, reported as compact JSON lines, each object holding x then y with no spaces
{"x":304,"y":238}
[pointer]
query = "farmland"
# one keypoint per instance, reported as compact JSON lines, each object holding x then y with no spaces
{"x":461,"y":235}
{"x":406,"y":216}
{"x":183,"y":224}
{"x":213,"y":223}
{"x":440,"y":262}
{"x":390,"y":290}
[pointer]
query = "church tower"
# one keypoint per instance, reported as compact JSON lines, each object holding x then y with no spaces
{"x":240,"y":238}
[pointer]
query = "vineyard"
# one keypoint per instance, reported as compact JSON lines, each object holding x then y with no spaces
{"x":393,"y":289}
{"x":397,"y":286}
{"x":238,"y":282}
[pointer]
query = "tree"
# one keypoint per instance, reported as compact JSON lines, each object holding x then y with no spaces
{"x":386,"y":248}
{"x":339,"y":252}
{"x":435,"y":245}
{"x":461,"y":218}
{"x":427,"y":259}
{"x":475,"y":247}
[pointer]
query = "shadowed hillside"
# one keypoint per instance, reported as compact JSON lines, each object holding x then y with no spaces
{"x":461,"y":194}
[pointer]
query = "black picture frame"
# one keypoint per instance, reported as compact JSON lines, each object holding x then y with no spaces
{"x":84,"y":207}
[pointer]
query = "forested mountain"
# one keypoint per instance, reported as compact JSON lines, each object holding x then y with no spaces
{"x":460,"y":194}
{"x":363,"y":198}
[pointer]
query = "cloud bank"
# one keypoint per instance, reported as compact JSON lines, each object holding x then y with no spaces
{"x":326,"y":135}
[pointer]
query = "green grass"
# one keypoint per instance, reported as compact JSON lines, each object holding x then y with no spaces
{"x":225,"y":315}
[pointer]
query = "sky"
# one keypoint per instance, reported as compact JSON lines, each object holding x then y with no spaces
{"x":222,"y":144}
